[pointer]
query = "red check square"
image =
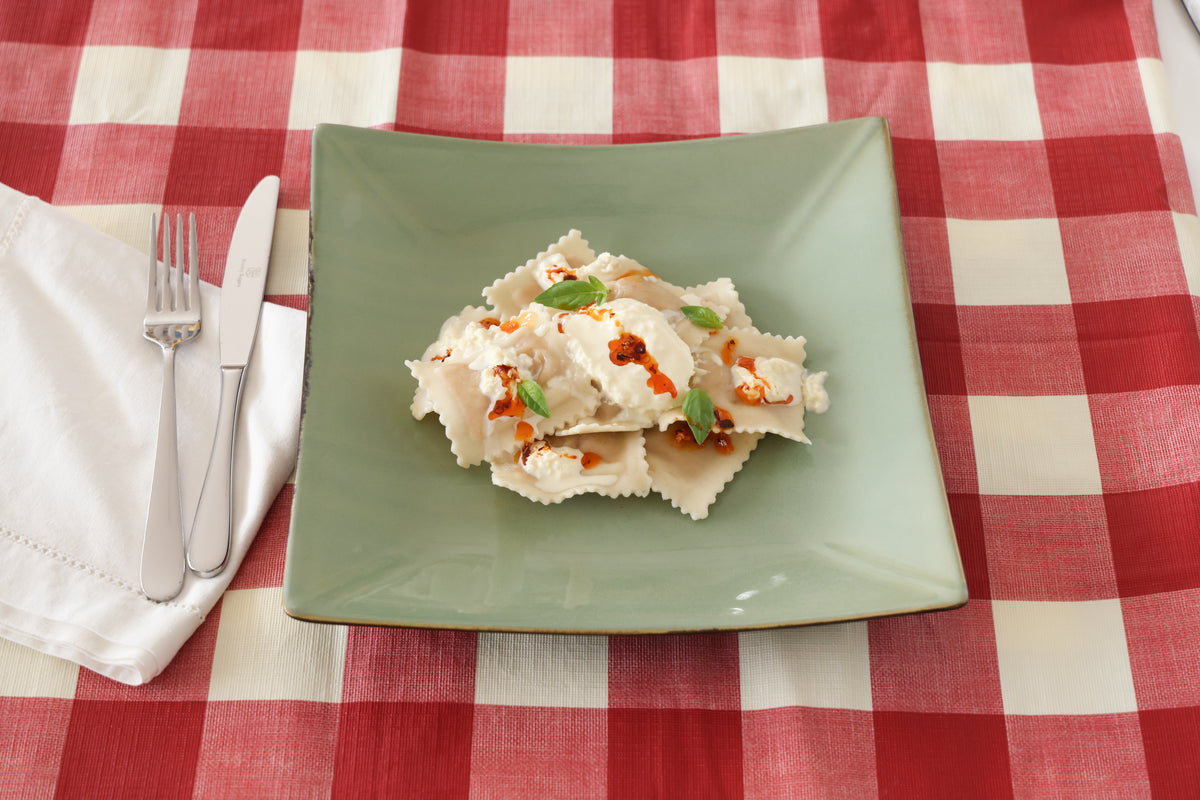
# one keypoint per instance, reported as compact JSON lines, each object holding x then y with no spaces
{"x":126,"y":164}
{"x":34,"y":730}
{"x":676,"y":99}
{"x":205,"y":158}
{"x":539,"y":752}
{"x":1122,"y":257}
{"x":996,"y":180}
{"x":1154,"y":543}
{"x":899,"y":92}
{"x":253,"y":734}
{"x":1048,"y":749}
{"x":1106,"y":175}
{"x":62,"y":22}
{"x":165,"y":25}
{"x":475,"y":82}
{"x":336,"y":26}
{"x":135,"y":759}
{"x":940,"y":347}
{"x":1163,"y":635}
{"x":37,"y":95}
{"x":950,"y":417}
{"x":918,"y":177}
{"x":884,"y":32}
{"x":695,"y":671}
{"x":417,"y":665}
{"x":1020,"y":350}
{"x":1062,"y":89}
{"x":578,"y":28}
{"x":219,"y":92}
{"x":675,"y":752}
{"x":236,"y":25}
{"x":996,"y":32}
{"x":664,"y":29}
{"x":967,"y":515}
{"x":383,"y":750}
{"x":1169,"y":737}
{"x":1048,"y":547}
{"x":927,"y":257}
{"x":768,"y":29}
{"x":936,"y":662}
{"x":1163,"y":330}
{"x":940,"y":756}
{"x":29,"y":157}
{"x":1078,"y":32}
{"x":1144,"y":440}
{"x":457,"y":27}
{"x":828,"y":747}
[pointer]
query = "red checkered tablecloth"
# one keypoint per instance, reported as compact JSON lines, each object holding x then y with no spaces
{"x":1054,"y":257}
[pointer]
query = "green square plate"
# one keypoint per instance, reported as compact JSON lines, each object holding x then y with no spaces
{"x":407,"y":229}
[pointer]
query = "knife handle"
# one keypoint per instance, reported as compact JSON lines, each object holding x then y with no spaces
{"x":212,"y":529}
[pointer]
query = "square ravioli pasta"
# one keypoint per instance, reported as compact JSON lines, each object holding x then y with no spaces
{"x":588,"y":373}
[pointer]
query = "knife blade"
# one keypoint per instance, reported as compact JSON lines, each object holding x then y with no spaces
{"x":241,"y":303}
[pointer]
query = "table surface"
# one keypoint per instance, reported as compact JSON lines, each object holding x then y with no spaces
{"x":1053,"y":252}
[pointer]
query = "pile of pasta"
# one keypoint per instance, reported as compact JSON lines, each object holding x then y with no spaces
{"x":596,"y":393}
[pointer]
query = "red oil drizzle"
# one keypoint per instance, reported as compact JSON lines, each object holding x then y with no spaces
{"x":443,"y":356}
{"x":727,"y":351}
{"x":631,"y":349}
{"x":681,"y":436}
{"x":488,"y":322}
{"x":510,"y":405}
{"x":590,"y":460}
{"x":524,"y":431}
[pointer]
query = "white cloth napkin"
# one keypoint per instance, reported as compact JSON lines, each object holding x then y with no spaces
{"x":79,"y":394}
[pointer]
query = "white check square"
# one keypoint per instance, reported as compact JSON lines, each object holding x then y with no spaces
{"x":263,"y":654}
{"x":27,"y":673}
{"x":345,"y":88}
{"x":762,"y":94}
{"x":1158,"y":97}
{"x":828,"y":666}
{"x":289,"y":253}
{"x":1007,"y":262}
{"x":558,"y":95}
{"x":1187,"y":229}
{"x":1036,"y":445}
{"x":541,"y":670}
{"x":1063,"y":658}
{"x":994,"y":102}
{"x":130,"y":85}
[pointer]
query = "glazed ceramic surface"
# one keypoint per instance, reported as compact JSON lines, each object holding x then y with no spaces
{"x":407,"y":229}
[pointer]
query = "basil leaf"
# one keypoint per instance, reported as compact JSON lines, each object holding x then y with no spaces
{"x":573,"y":295}
{"x":703,"y":316}
{"x":531,"y":394}
{"x":699,"y":412}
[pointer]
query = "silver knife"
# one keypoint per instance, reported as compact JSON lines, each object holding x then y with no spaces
{"x":241,"y":302}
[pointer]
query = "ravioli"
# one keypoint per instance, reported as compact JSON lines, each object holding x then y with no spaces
{"x":580,"y":373}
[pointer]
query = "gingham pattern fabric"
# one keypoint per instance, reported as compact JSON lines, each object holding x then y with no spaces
{"x":1054,"y":258}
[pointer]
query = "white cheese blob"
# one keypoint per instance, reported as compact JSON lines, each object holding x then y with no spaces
{"x":769,"y":380}
{"x":633,"y":386}
{"x":816,"y":399}
{"x":558,"y":469}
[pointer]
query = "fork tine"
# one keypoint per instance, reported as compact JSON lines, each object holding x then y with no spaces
{"x":193,"y":264}
{"x":168,"y":298}
{"x":152,"y":273}
{"x":178,"y":300}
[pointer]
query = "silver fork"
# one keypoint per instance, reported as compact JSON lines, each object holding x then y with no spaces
{"x":172,"y":318}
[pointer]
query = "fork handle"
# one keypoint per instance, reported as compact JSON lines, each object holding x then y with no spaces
{"x":162,"y":546}
{"x":212,"y":529}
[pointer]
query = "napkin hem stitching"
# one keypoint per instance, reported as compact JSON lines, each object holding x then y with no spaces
{"x":81,"y":566}
{"x":14,"y":228}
